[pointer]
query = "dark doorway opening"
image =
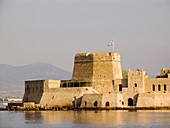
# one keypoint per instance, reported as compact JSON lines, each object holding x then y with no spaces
{"x":107,"y":104}
{"x":85,"y":103}
{"x":130,"y":102}
{"x":95,"y":103}
{"x":120,"y":87}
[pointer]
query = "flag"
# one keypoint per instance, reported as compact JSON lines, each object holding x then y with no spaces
{"x":111,"y":43}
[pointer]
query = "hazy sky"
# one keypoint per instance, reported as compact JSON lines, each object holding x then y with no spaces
{"x":53,"y":31}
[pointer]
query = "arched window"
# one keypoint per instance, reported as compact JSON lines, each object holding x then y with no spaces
{"x":159,"y":87}
{"x":153,"y":87}
{"x":107,"y":104}
{"x":95,"y":103}
{"x":136,"y":85}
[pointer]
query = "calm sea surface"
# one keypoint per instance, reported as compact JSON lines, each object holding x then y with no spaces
{"x":84,"y":119}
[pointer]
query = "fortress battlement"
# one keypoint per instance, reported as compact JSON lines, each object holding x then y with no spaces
{"x":97,"y":56}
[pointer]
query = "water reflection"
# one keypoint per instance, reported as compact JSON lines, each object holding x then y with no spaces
{"x":33,"y":117}
{"x":108,"y":117}
{"x":84,"y":119}
{"x":48,"y":117}
{"x":98,"y":118}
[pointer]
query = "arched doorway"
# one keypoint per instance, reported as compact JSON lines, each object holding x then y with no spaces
{"x":107,"y":104}
{"x":95,"y":103}
{"x":130,"y":102}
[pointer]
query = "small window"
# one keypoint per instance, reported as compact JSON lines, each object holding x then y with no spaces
{"x":136,"y":85}
{"x":159,"y":87}
{"x":113,"y":82}
{"x":164,"y":87}
{"x":95,"y":103}
{"x":153,"y":87}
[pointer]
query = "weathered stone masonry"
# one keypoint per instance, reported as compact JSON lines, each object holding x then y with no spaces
{"x":97,"y":83}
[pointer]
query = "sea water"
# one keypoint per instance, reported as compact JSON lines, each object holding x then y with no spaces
{"x":85,"y":119}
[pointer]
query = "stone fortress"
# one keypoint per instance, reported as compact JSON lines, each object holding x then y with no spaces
{"x":97,"y":82}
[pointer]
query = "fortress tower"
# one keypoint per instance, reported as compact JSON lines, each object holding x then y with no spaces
{"x":100,"y":68}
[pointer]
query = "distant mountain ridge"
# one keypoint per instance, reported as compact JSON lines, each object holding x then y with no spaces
{"x":12,"y":77}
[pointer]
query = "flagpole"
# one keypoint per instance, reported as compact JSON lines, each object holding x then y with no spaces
{"x":113,"y":45}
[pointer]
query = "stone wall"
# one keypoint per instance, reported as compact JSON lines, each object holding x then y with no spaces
{"x":158,"y":85}
{"x":114,"y":100}
{"x":128,"y":95}
{"x":117,"y":70}
{"x":91,"y":101}
{"x":99,"y":68}
{"x":33,"y":91}
{"x":103,"y":86}
{"x":120,"y":84}
{"x":153,"y":100}
{"x":136,"y":80}
{"x":52,"y":84}
{"x":64,"y":96}
{"x":102,"y":100}
{"x":83,"y":67}
{"x":48,"y":93}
